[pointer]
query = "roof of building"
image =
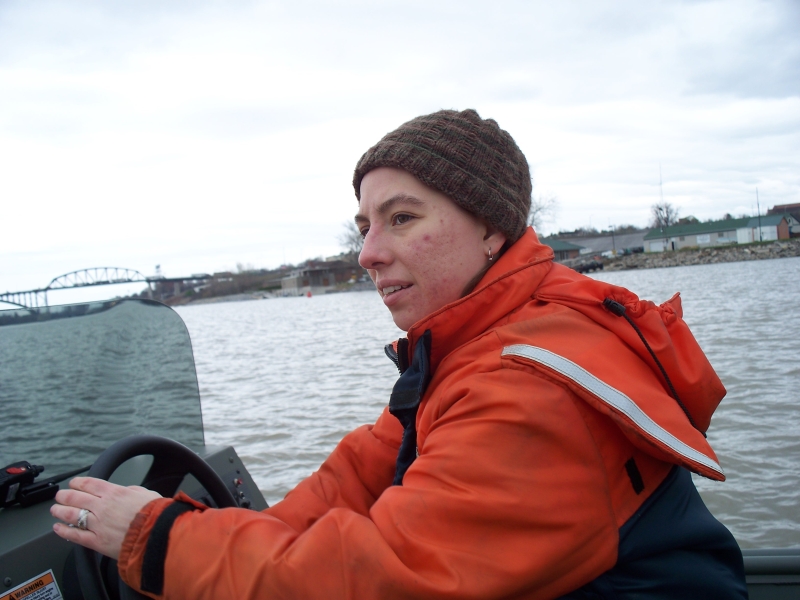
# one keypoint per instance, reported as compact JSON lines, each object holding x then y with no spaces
{"x":559,"y":245}
{"x":769,"y":220}
{"x":782,"y":208}
{"x":697,"y":228}
{"x":602,"y":243}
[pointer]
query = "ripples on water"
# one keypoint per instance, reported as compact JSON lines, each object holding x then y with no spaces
{"x":70,"y":387}
{"x":284,"y":380}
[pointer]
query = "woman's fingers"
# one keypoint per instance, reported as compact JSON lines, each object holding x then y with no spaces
{"x":68,"y":514}
{"x":73,"y":534}
{"x":69,"y":529}
{"x":74,"y":498}
{"x":85,"y":492}
{"x":111,"y":508}
{"x":93,"y":486}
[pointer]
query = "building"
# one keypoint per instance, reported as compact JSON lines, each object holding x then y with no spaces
{"x":784,"y":208}
{"x":793,"y":210}
{"x":694,"y":235}
{"x":562,"y":250}
{"x":607,"y":242}
{"x":773,"y":227}
{"x":726,"y":231}
{"x":319,"y":277}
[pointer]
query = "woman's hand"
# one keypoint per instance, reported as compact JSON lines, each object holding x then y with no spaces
{"x":111,"y":508}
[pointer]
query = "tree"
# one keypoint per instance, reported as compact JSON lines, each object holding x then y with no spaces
{"x":626,"y":228}
{"x":351,"y":239}
{"x":543,"y":209}
{"x":664,"y":214}
{"x":579,"y":232}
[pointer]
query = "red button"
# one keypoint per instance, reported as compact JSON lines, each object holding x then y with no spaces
{"x":16,"y":470}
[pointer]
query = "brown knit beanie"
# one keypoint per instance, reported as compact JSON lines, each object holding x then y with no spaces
{"x":469,"y":159}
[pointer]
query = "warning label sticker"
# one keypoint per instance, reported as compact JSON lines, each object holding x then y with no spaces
{"x":43,"y":587}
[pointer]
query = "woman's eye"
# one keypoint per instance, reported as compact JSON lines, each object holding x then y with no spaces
{"x":401,"y":218}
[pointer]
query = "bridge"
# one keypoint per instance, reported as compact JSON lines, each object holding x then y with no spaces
{"x":89,"y":277}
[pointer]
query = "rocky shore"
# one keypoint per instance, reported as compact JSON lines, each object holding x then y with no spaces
{"x":679,"y":258}
{"x":705,"y":256}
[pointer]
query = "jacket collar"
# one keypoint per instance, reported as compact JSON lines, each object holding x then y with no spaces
{"x":507,"y":284}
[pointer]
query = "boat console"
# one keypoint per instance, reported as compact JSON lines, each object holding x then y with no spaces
{"x":74,"y":381}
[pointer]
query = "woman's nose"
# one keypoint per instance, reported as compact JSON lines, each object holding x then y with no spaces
{"x":374,"y":252}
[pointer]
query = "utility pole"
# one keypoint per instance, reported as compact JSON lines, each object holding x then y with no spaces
{"x":758,"y":208}
{"x":661,"y":188}
{"x":613,"y":243}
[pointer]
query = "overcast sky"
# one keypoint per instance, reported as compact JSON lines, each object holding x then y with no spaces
{"x":198,"y":135}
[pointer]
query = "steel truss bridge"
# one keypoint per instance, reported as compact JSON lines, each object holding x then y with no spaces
{"x":87,"y":278}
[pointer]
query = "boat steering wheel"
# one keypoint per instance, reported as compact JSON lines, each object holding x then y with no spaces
{"x":171,"y":463}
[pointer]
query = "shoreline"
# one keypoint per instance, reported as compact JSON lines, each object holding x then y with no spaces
{"x":261,"y":295}
{"x":651,"y":260}
{"x":705,"y":256}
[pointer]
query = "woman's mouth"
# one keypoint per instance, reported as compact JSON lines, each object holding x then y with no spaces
{"x":392,"y":289}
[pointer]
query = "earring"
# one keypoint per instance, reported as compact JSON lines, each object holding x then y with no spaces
{"x":491,"y":256}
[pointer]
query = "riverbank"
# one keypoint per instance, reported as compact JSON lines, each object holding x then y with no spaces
{"x":650,"y":260}
{"x":179,"y":301}
{"x":705,"y":256}
{"x":360,"y":286}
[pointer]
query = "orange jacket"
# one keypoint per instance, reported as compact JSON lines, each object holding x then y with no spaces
{"x":538,"y":400}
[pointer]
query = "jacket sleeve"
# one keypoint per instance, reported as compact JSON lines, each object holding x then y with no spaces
{"x":507,"y":499}
{"x":352,"y":477}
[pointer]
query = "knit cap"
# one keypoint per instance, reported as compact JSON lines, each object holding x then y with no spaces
{"x":469,"y":159}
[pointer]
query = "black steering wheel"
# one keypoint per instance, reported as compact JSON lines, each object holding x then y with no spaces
{"x":171,"y":463}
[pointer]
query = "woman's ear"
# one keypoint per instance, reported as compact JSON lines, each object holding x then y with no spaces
{"x":494,"y":240}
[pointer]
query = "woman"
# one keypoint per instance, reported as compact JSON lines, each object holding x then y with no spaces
{"x":537,"y":444}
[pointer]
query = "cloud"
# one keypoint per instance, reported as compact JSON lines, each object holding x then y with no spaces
{"x":196,"y":131}
{"x":744,"y":49}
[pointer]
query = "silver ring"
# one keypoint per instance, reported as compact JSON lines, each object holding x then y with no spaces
{"x":83,"y":517}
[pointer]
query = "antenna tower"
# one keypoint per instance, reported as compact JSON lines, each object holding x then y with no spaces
{"x":758,"y":208}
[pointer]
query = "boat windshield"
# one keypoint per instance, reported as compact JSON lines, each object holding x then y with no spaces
{"x":74,"y":379}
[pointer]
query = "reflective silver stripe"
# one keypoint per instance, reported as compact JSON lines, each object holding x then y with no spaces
{"x":613,"y":398}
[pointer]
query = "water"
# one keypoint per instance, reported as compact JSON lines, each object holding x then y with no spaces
{"x":70,"y":386}
{"x":283,"y":380}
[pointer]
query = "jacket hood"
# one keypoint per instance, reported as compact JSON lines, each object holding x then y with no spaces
{"x":683,"y":365}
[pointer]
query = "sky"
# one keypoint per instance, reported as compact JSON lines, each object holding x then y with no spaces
{"x":201,"y":135}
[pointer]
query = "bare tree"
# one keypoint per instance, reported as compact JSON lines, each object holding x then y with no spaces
{"x":543,"y":209}
{"x":664,"y":214}
{"x":351,"y":239}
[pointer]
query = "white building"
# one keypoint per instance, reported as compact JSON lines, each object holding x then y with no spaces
{"x":772,"y":228}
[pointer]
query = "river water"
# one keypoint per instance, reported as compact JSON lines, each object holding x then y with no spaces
{"x":285,"y":379}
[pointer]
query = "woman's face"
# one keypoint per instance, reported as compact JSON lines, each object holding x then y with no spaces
{"x":420,"y":248}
